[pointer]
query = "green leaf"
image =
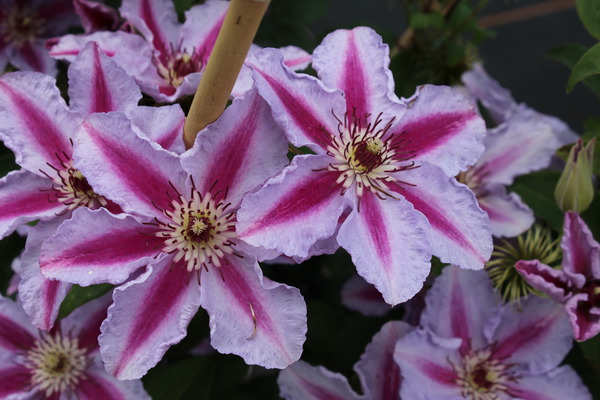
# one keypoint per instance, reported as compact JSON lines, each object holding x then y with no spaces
{"x":569,"y":54}
{"x":589,"y":14}
{"x":537,"y":191}
{"x":424,"y":21}
{"x":591,"y":127}
{"x":588,"y":65}
{"x":78,"y":296}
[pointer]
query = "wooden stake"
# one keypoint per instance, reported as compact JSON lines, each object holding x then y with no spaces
{"x":231,"y":48}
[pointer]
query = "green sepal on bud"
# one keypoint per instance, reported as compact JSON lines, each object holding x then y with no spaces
{"x":574,"y":190}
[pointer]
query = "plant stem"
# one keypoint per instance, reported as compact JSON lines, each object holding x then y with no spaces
{"x":231,"y":48}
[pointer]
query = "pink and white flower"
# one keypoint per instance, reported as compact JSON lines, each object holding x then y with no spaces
{"x":61,"y":364}
{"x":576,"y":285}
{"x":471,"y":347}
{"x":389,"y":162}
{"x":178,"y":248}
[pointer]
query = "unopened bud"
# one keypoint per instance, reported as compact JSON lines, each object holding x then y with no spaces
{"x":575,"y":190}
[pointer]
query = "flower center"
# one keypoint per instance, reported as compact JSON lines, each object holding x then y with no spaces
{"x":367,"y":154}
{"x":71,"y":188}
{"x":483,"y":378}
{"x":20,"y":25}
{"x":56,"y":363}
{"x":177,"y":64}
{"x":473,"y":178}
{"x":200,"y":230}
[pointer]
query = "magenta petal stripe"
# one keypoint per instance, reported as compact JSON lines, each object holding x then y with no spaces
{"x":14,"y":337}
{"x":97,"y":385}
{"x":581,"y":251}
{"x":14,"y":380}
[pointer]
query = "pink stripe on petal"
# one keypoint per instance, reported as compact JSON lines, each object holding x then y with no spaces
{"x":439,"y":373}
{"x":159,"y":41}
{"x":529,"y":335}
{"x":581,"y":251}
{"x":33,"y":57}
{"x":354,"y":80}
{"x":377,"y":228}
{"x":13,"y":337}
{"x":93,"y":388}
{"x":14,"y":380}
{"x":459,"y":318}
{"x":102,"y":97}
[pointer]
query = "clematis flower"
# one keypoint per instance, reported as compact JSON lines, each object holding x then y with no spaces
{"x":24,"y":27}
{"x":171,"y":62}
{"x":388,"y":161}
{"x":470,"y":347}
{"x":181,"y":228}
{"x":378,"y":373}
{"x":61,"y":364}
{"x":37,"y":124}
{"x":576,"y":284}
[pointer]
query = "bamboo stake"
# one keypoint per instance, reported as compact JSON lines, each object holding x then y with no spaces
{"x":231,"y":48}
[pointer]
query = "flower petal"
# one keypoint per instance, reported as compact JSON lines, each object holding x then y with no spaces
{"x":584,"y":316}
{"x":389,"y":245}
{"x":538,"y":336}
{"x":124,"y":167}
{"x":162,"y":125}
{"x":100,"y":385}
{"x":301,"y":104}
{"x":509,"y":216}
{"x":201,"y":27}
{"x":239,"y":151}
{"x":302,"y":381}
{"x":378,"y":372}
{"x":41,"y":297}
{"x":35,"y":121}
{"x":294,"y":209}
{"x":581,"y":253}
{"x":295,"y":58}
{"x":32,"y":56}
{"x":116,"y":247}
{"x":149,"y":314}
{"x":440,"y":126}
{"x":96,"y":16}
{"x":559,"y":384}
{"x":84,"y":322}
{"x":553,"y":282}
{"x":357,"y":62}
{"x":25,"y":197}
{"x":16,"y":332}
{"x":361,"y":296}
{"x":262,"y":321}
{"x":14,"y":383}
{"x":98,"y":84}
{"x":461,"y":232}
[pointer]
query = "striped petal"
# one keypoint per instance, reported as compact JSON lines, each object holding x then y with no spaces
{"x":553,"y":282}
{"x":262,"y":321}
{"x":124,"y":167}
{"x":110,"y":252}
{"x":239,"y":151}
{"x":14,"y":383}
{"x":294,"y":209}
{"x":441,"y":126}
{"x":559,"y":384}
{"x":98,"y":84}
{"x":509,"y":216}
{"x":581,"y":253}
{"x":378,"y":371}
{"x":295,"y":58}
{"x":84,"y":322}
{"x":96,"y":16}
{"x":460,"y":305}
{"x":201,"y":27}
{"x":17,"y":335}
{"x":357,"y":62}
{"x":32,"y":56}
{"x":35,"y":121}
{"x":538,"y":336}
{"x":389,"y":245}
{"x":25,"y":197}
{"x":361,"y":296}
{"x":301,"y":104}
{"x":100,"y":385}
{"x":302,"y":381}
{"x":149,"y":314}
{"x":41,"y":297}
{"x":461,"y":232}
{"x":584,"y":316}
{"x":161,"y":125}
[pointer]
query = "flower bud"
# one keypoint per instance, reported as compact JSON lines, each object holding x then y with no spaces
{"x":575,"y":190}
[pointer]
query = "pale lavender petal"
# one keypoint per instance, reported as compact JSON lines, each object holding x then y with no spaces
{"x":461,"y":233}
{"x":36,"y":122}
{"x":98,"y":84}
{"x":41,"y":297}
{"x":518,"y":146}
{"x":262,"y":321}
{"x":581,"y":253}
{"x":301,"y":104}
{"x":100,"y":385}
{"x":239,"y":151}
{"x":361,"y":296}
{"x":25,"y":197}
{"x":110,"y":252}
{"x":149,"y":314}
{"x":552,"y":282}
{"x":459,"y":305}
{"x":161,"y":125}
{"x":389,"y":245}
{"x":496,"y":99}
{"x":562,"y":131}
{"x":16,"y":332}
{"x":537,"y":337}
{"x":559,"y":384}
{"x":156,"y":20}
{"x":84,"y":322}
{"x":584,"y":316}
{"x":126,"y":168}
{"x":425,"y":365}
{"x":201,"y":27}
{"x":441,"y":126}
{"x":96,"y":16}
{"x":164,"y":92}
{"x":509,"y":216}
{"x":295,"y":58}
{"x":378,"y":372}
{"x":294,"y":209}
{"x":302,"y":381}
{"x":356,"y":61}
{"x":33,"y":56}
{"x":13,"y":284}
